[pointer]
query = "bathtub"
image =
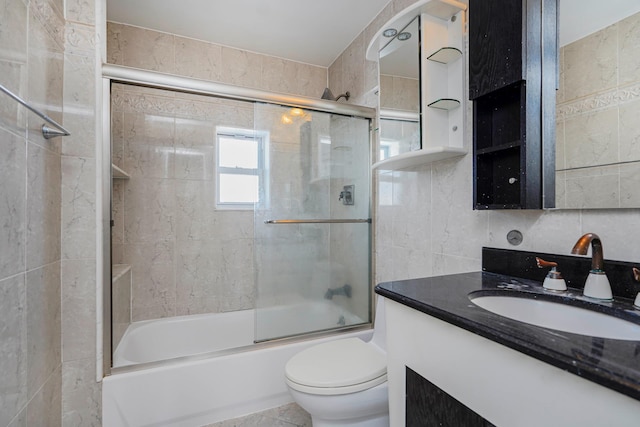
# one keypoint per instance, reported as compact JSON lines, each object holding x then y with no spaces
{"x":218,"y":384}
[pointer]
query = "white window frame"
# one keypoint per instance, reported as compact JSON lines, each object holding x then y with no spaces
{"x":262,"y":139}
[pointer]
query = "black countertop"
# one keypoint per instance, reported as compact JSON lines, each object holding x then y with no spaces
{"x":609,"y":362}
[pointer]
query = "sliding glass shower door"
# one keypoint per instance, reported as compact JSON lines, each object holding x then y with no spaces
{"x":311,"y":222}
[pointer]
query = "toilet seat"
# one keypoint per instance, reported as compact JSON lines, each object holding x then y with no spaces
{"x":337,"y":367}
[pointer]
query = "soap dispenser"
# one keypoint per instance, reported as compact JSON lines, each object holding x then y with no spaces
{"x":554,"y":280}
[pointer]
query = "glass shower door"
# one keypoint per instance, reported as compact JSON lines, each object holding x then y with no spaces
{"x":311,"y":224}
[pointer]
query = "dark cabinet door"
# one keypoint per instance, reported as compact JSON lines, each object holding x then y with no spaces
{"x":512,"y":69}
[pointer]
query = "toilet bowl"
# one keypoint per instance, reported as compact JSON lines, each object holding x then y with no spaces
{"x":343,"y":382}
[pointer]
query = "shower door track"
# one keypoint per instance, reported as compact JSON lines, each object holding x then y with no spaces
{"x":317,"y":221}
{"x":136,"y":76}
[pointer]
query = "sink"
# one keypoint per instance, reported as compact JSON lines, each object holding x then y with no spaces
{"x":559,"y":316}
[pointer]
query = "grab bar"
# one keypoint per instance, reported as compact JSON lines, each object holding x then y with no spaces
{"x":316,"y":221}
{"x":47,"y":132}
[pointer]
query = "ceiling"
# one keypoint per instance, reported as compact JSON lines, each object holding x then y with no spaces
{"x":310,"y":31}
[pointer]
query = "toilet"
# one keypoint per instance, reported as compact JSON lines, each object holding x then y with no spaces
{"x":343,"y":382}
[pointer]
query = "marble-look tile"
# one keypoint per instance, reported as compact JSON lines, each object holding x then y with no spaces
{"x":411,"y":223}
{"x":629,"y":49}
{"x":241,"y":68}
{"x":194,"y":149}
{"x":591,"y":63}
{"x":149,"y":145}
{"x":629,"y":127}
{"x":336,"y":77}
{"x":45,"y":81}
{"x":80,"y":39}
{"x":290,"y":415}
{"x":150,"y":210}
{"x":591,"y":139}
{"x":117,"y":211}
{"x":117,"y":138}
{"x":153,"y":292}
{"x":629,"y":185}
{"x":198,"y":59}
{"x":280,"y":75}
{"x":45,"y":408}
{"x":13,"y":347}
{"x":593,"y":188}
{"x":79,"y":106}
{"x":78,"y":309}
{"x":451,"y":264}
{"x":618,"y":229}
{"x":12,"y":204}
{"x":43,"y":206}
{"x":545,"y":231}
{"x":146,"y":49}
{"x":43,"y":325}
{"x":121,"y":306}
{"x":78,"y":208}
{"x":201,"y":270}
{"x":83,"y":11}
{"x":311,"y":80}
{"x":456,"y":229}
{"x":20,"y":420}
{"x":560,"y":146}
{"x":560,"y":92}
{"x":561,"y":191}
{"x":353,"y":67}
{"x":82,"y":397}
{"x":13,"y":117}
{"x":115,"y":43}
{"x":13,"y":36}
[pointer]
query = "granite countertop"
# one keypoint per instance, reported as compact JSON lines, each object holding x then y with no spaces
{"x":609,"y":362}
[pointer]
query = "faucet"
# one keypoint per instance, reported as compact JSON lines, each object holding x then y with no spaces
{"x":343,"y":290}
{"x":597,"y":285}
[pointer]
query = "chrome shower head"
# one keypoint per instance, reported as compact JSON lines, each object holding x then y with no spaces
{"x":327,"y":94}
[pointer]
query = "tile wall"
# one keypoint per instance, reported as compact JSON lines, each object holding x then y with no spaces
{"x":598,"y":107}
{"x":186,"y":256}
{"x":169,"y":53}
{"x":31,"y":66}
{"x":425,"y":224}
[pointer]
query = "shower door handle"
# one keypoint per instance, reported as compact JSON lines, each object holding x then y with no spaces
{"x":317,"y":221}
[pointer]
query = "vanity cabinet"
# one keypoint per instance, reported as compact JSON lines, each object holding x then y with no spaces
{"x":512,"y":83}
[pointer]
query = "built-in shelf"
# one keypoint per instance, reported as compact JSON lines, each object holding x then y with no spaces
{"x":118,"y":173}
{"x":445,"y":55}
{"x":445,"y":104}
{"x":418,"y":157}
{"x":498,"y":148}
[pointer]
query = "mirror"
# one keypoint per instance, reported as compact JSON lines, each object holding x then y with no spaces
{"x":400,"y":91}
{"x":598,"y":105}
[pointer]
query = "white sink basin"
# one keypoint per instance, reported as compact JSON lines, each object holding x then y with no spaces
{"x":560,"y":317}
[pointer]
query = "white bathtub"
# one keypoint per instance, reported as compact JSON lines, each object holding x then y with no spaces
{"x":196,"y":392}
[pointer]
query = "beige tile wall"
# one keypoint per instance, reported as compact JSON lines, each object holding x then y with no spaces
{"x":425,"y":224}
{"x":168,"y":53}
{"x":31,"y":65}
{"x":598,"y":106}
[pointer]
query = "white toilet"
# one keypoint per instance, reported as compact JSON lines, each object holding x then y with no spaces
{"x":343,"y":382}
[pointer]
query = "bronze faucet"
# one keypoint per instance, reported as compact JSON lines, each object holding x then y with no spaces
{"x":582,"y":246}
{"x":597,"y":285}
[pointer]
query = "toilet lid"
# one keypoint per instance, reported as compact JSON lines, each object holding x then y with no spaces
{"x":340,"y":363}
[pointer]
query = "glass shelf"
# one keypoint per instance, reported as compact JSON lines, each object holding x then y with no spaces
{"x":445,"y":55}
{"x":445,"y":104}
{"x":118,"y":173}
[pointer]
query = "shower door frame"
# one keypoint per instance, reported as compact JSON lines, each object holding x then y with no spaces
{"x":127,"y":75}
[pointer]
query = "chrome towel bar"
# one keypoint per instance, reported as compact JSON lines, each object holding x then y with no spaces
{"x":47,"y":132}
{"x":316,"y":221}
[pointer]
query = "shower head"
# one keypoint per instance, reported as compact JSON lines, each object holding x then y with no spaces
{"x":327,"y":94}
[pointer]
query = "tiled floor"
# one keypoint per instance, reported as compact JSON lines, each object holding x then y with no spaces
{"x":290,"y":415}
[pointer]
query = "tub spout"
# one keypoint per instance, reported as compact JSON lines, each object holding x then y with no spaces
{"x":343,"y":290}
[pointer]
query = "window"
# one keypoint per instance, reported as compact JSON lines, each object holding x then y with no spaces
{"x":240,"y":168}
